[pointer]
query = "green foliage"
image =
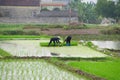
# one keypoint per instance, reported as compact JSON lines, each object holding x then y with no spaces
{"x":115,"y":30}
{"x":4,"y":53}
{"x":74,"y":27}
{"x":18,"y":32}
{"x":106,"y":69}
{"x":108,"y":8}
{"x":24,"y":36}
{"x":65,"y":27}
{"x":44,"y":9}
{"x":115,"y":37}
{"x":89,"y":44}
{"x":56,"y":9}
{"x":13,"y":32}
{"x":86,"y":11}
{"x":31,"y":33}
{"x":105,"y":8}
{"x":11,"y":26}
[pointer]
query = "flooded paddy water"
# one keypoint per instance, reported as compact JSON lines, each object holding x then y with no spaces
{"x":39,"y":69}
{"x":115,"y":45}
{"x":33,"y":70}
{"x":24,"y":48}
{"x":29,"y":48}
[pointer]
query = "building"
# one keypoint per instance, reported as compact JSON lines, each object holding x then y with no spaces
{"x":19,"y":8}
{"x":52,"y":4}
{"x":29,"y":11}
{"x":58,"y":17}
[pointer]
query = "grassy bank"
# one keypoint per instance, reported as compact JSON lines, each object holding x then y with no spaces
{"x":97,"y":37}
{"x":24,"y":36}
{"x":4,"y":53}
{"x":9,"y":31}
{"x":106,"y":69}
{"x":74,"y":37}
{"x":11,"y":26}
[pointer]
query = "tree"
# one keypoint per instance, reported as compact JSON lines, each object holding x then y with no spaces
{"x":117,"y":10}
{"x":86,"y":11}
{"x":90,"y":13}
{"x":77,"y":5}
{"x":108,"y":8}
{"x":56,"y":9}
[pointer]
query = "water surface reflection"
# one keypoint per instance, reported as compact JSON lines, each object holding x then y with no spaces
{"x":107,"y":44}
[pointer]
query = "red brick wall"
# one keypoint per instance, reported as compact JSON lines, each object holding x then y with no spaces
{"x":19,"y":2}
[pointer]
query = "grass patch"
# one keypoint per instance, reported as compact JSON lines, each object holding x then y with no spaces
{"x":75,"y":37}
{"x":4,"y":53}
{"x":106,"y":69}
{"x":115,"y":30}
{"x":45,"y":44}
{"x":114,"y":37}
{"x":23,"y":36}
{"x":11,"y":26}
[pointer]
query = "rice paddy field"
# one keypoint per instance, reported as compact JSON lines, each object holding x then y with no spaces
{"x":29,"y":48}
{"x":39,"y":69}
{"x":24,"y":48}
{"x":76,"y":51}
{"x":33,"y":70}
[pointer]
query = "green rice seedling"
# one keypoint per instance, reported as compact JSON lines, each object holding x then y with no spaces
{"x":45,"y":44}
{"x":29,"y":72}
{"x":106,"y":69}
{"x":4,"y":53}
{"x":11,"y":26}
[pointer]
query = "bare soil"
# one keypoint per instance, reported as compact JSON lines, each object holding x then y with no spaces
{"x":61,"y":31}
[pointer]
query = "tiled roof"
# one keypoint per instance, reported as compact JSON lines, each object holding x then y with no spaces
{"x":58,"y":14}
{"x":19,"y":2}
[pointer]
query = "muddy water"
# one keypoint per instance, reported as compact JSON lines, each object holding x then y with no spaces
{"x":115,"y":45}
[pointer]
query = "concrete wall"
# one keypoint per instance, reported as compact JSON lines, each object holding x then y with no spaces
{"x":18,"y":11}
{"x":17,"y":14}
{"x":42,"y":20}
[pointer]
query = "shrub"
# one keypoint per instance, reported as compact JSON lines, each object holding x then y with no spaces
{"x":66,"y":27}
{"x":12,"y":32}
{"x":115,"y":30}
{"x":4,"y":53}
{"x":76,"y":25}
{"x":18,"y":32}
{"x":32,"y":33}
{"x":44,"y":9}
{"x":58,"y":26}
{"x":56,"y":9}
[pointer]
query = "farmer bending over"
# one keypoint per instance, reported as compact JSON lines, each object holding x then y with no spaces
{"x":55,"y":40}
{"x":68,"y":40}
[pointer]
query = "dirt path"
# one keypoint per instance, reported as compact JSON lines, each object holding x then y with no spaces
{"x":60,"y":31}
